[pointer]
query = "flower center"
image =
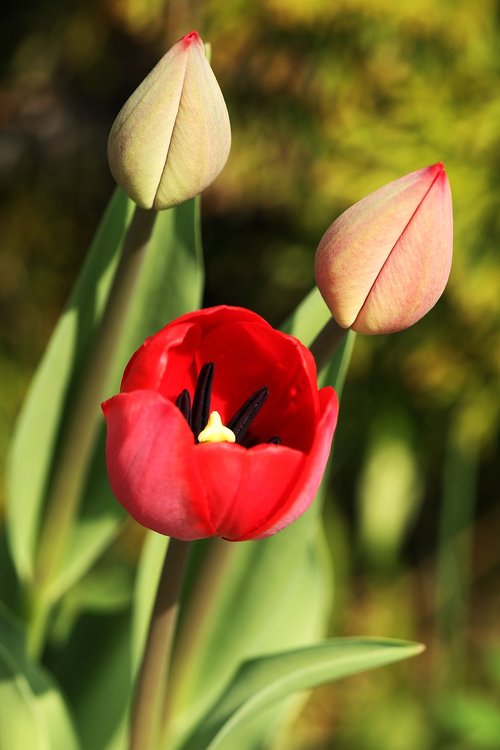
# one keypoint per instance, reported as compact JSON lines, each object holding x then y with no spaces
{"x":207,"y":426}
{"x":215,"y":432}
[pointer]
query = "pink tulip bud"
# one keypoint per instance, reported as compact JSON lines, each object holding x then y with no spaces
{"x":384,"y":263}
{"x":172,"y":137}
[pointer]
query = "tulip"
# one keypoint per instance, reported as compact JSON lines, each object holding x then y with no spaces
{"x":219,"y":428}
{"x":384,"y":263}
{"x":172,"y":137}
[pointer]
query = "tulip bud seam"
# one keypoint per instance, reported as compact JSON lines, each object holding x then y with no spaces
{"x":384,"y":262}
{"x":439,"y":169}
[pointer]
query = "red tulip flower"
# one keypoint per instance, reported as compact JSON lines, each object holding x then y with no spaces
{"x":219,"y":428}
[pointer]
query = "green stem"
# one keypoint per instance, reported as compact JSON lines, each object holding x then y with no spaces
{"x":152,"y":679}
{"x":39,"y":615}
{"x":326,"y":342}
{"x":201,"y":605}
{"x":80,"y":434}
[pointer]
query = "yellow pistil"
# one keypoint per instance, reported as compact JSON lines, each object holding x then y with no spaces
{"x":215,"y":431}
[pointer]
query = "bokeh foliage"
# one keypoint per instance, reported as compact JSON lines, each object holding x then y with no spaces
{"x":328,"y":100}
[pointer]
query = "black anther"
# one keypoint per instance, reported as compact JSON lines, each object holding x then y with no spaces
{"x":183,"y":402}
{"x":243,"y":418}
{"x":201,"y":400}
{"x":275,"y":440}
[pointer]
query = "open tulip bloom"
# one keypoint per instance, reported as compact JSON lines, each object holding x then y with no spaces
{"x":219,"y":428}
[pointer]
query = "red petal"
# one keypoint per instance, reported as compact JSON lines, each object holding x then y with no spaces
{"x":308,"y":482}
{"x":212,"y":317}
{"x":243,"y":486}
{"x":149,"y":455}
{"x":250,"y":356}
{"x":166,"y":361}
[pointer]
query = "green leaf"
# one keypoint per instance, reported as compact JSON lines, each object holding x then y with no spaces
{"x":38,"y":426}
{"x":104,"y":687}
{"x":336,"y":372}
{"x":148,"y":575}
{"x":170,"y":283}
{"x":106,"y":588}
{"x":273,"y":594}
{"x":32,"y":711}
{"x":310,"y":316}
{"x":20,"y":723}
{"x":306,"y":322}
{"x":261,"y":682}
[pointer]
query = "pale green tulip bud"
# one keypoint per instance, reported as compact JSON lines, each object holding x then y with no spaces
{"x":385,"y":261}
{"x":172,"y":137}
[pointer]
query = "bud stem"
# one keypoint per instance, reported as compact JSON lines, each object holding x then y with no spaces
{"x":326,"y":342}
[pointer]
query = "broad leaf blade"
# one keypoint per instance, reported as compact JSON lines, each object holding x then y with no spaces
{"x":33,"y":713}
{"x":335,"y":372}
{"x":273,"y":595}
{"x":20,"y":722}
{"x":151,"y":561}
{"x":38,"y":426}
{"x":264,"y":681}
{"x":106,"y":690}
{"x":309,"y":317}
{"x":170,"y":284}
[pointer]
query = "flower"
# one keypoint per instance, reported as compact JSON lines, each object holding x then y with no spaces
{"x":384,"y":263}
{"x":219,"y":428}
{"x":172,"y":137}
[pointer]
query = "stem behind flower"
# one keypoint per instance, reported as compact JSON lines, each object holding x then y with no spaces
{"x":197,"y":616}
{"x":152,"y":679}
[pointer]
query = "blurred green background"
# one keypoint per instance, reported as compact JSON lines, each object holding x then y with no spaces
{"x":328,"y":101}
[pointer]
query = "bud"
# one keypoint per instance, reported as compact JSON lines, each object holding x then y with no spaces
{"x":385,"y":261}
{"x":172,"y":137}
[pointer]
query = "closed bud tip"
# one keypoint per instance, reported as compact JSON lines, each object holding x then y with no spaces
{"x":172,"y":137}
{"x":384,"y":263}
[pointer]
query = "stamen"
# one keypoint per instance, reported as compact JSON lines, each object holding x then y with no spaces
{"x":243,"y":418}
{"x":210,"y":428}
{"x":202,"y":396}
{"x":215,"y":431}
{"x":183,"y":402}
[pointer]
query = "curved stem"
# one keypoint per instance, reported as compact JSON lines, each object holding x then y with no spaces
{"x":326,"y":342}
{"x":152,"y":679}
{"x":80,"y":433}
